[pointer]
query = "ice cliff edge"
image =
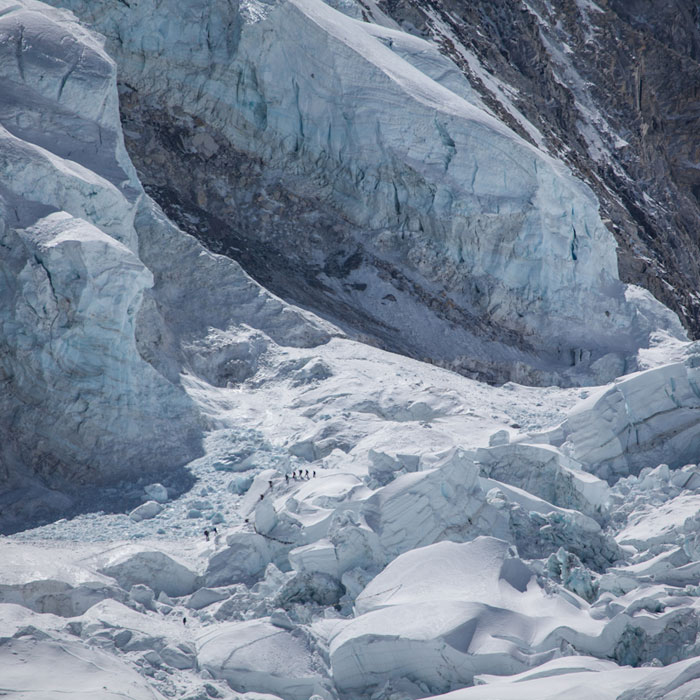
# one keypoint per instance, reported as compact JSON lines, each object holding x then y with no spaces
{"x":79,"y":405}
{"x":450,"y":238}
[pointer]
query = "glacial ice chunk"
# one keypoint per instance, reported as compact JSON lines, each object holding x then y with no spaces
{"x":242,"y":561}
{"x":257,"y":656}
{"x":423,"y":507}
{"x":131,"y":565}
{"x":77,"y":671}
{"x":544,"y":471}
{"x":146,"y":511}
{"x":645,"y":419}
{"x":157,"y":492}
{"x":485,"y":570}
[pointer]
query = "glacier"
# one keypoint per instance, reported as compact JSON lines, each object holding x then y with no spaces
{"x":508,"y":253}
{"x":83,"y":405}
{"x":376,"y":526}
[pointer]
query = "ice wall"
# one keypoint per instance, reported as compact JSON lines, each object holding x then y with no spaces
{"x":105,"y":303}
{"x":383,"y":130}
{"x":640,"y":421}
{"x":79,"y":404}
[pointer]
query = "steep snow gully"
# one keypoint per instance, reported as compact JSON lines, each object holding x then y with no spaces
{"x":208,"y":491}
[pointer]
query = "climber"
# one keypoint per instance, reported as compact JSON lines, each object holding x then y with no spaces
{"x":206,"y":535}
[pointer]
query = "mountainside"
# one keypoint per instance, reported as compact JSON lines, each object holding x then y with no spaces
{"x":361,"y":174}
{"x":609,"y":87}
{"x":215,"y":481}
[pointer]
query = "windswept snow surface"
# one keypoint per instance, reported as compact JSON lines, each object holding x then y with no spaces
{"x":354,"y":524}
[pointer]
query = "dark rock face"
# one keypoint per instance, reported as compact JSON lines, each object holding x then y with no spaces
{"x":614,"y":88}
